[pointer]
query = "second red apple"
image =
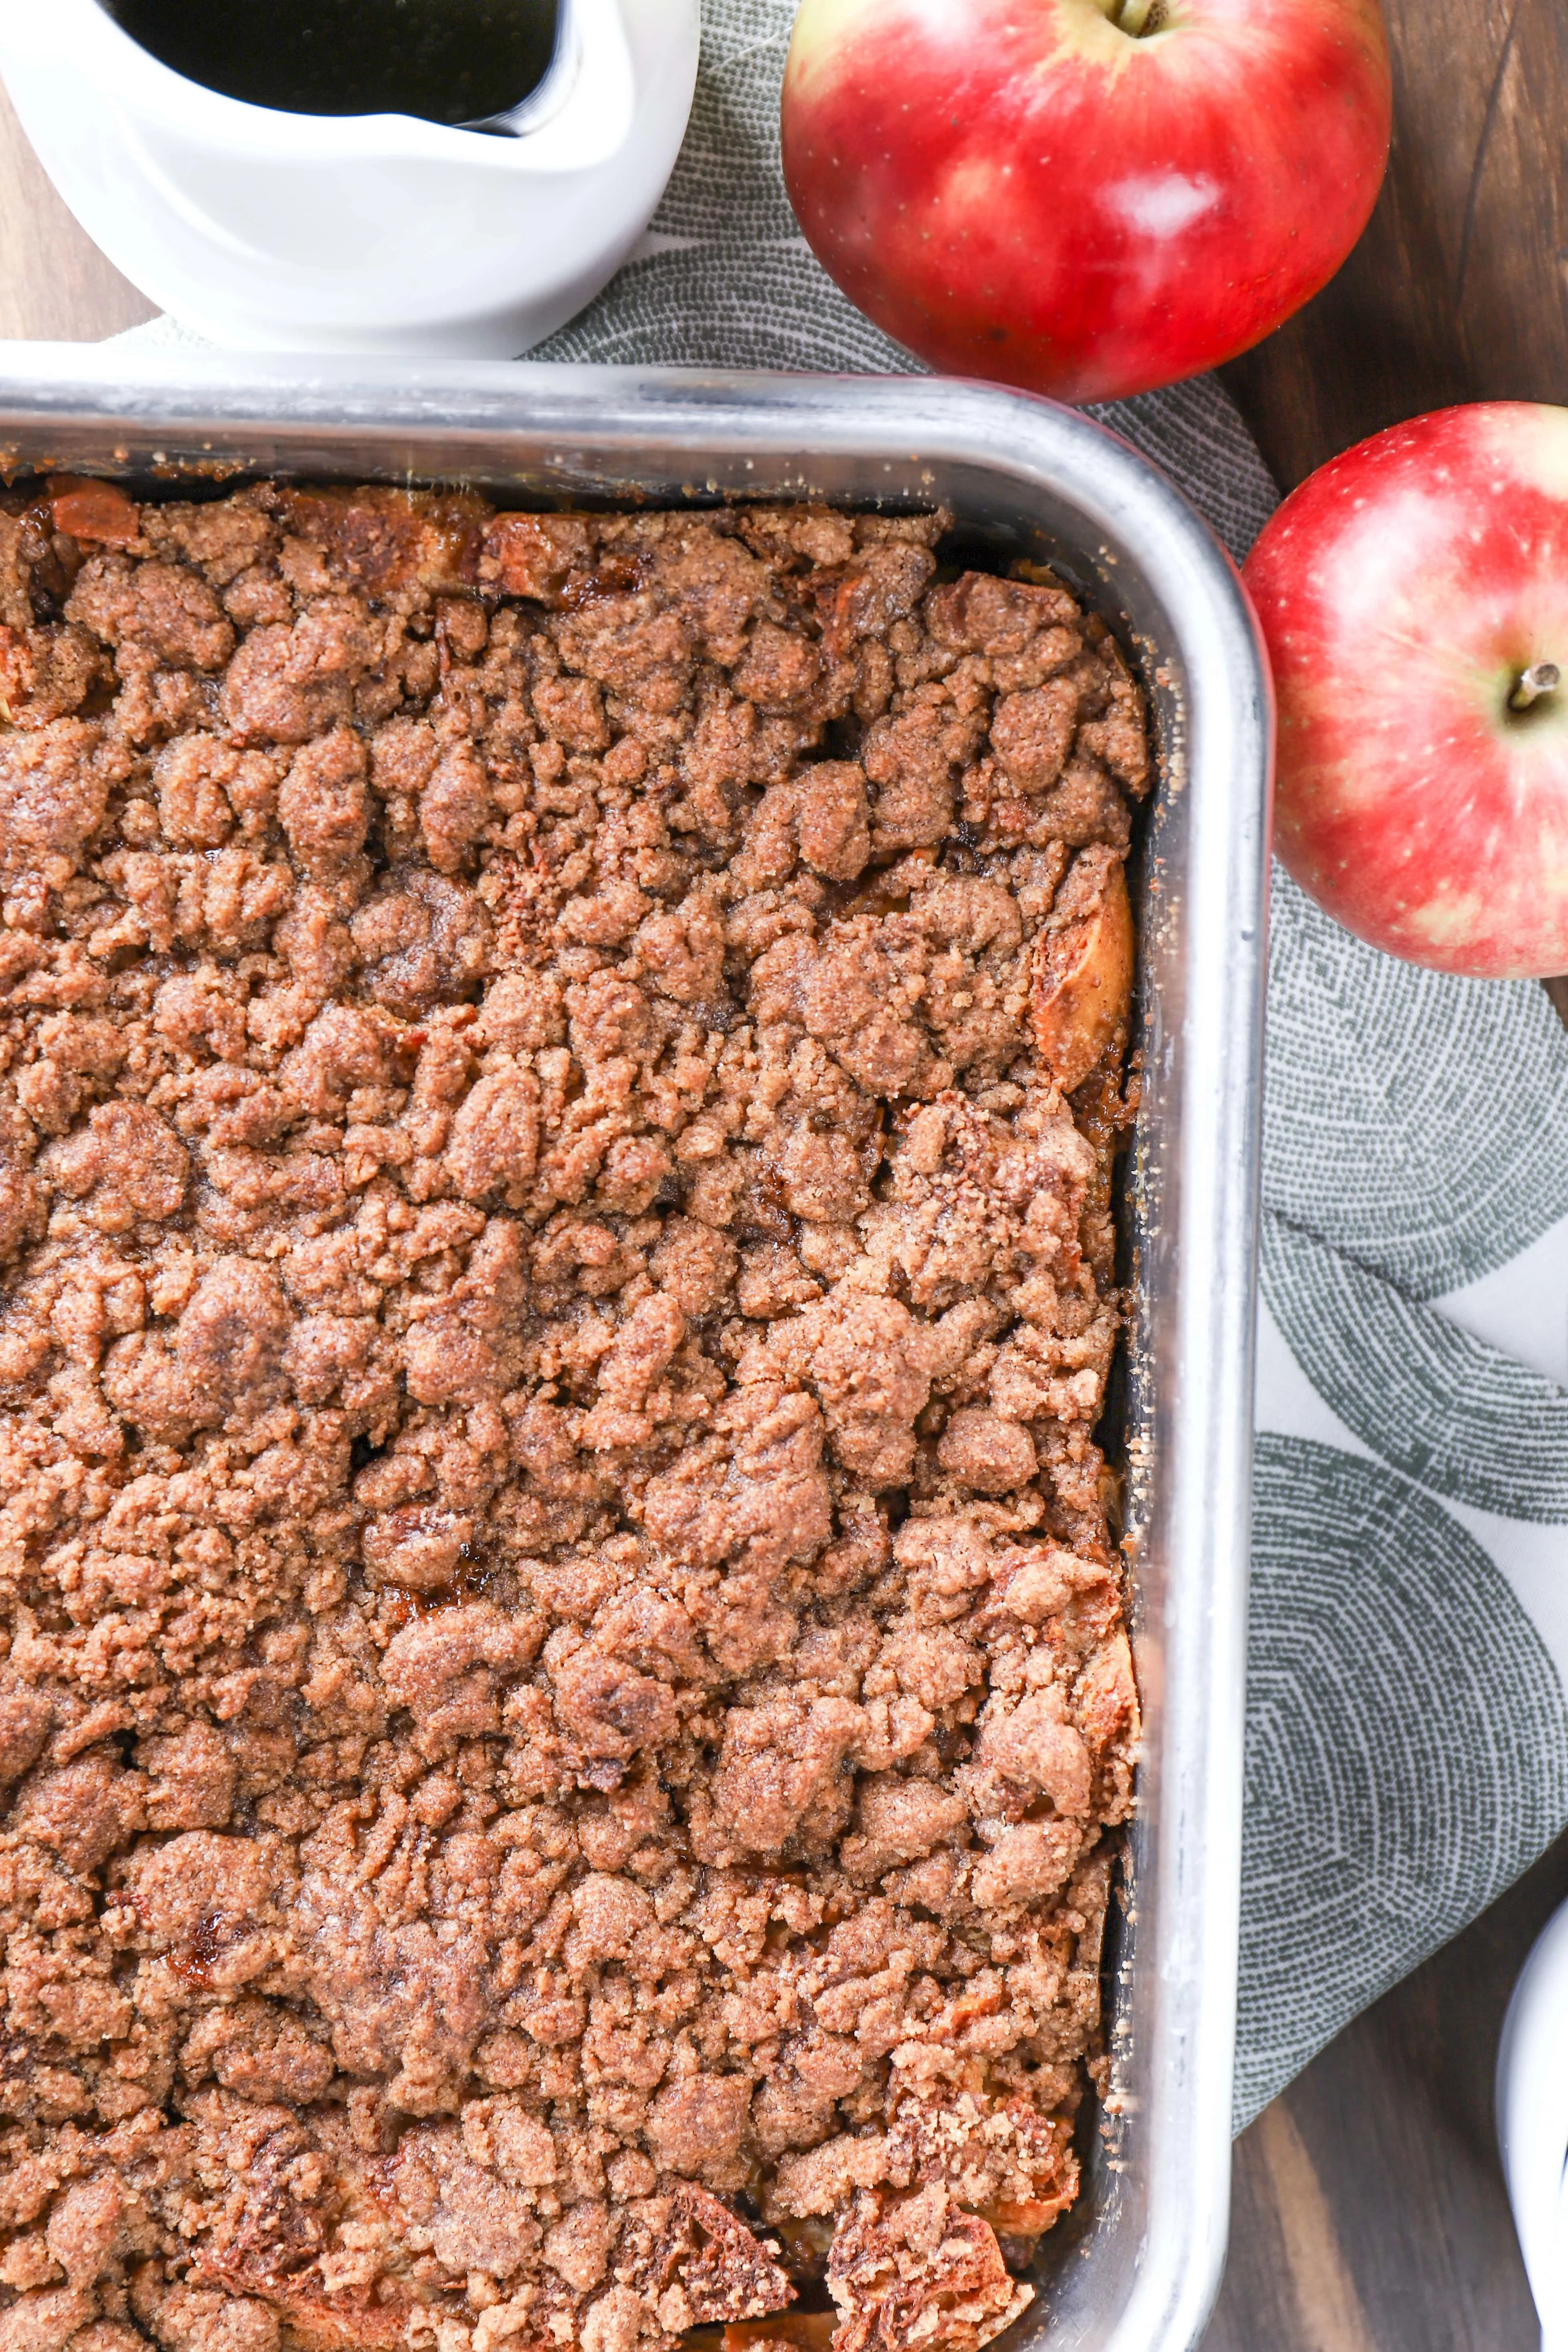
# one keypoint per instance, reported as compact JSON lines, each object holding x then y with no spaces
{"x":1414,"y":593}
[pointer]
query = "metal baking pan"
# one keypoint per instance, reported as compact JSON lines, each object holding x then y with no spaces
{"x":1136,"y":2267}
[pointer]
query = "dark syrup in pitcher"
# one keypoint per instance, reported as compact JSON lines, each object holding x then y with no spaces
{"x":446,"y":60}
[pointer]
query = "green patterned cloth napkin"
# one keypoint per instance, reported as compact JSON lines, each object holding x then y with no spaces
{"x":1407,"y":1740}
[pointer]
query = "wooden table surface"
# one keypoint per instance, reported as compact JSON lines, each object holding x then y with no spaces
{"x":1458,"y":291}
{"x":1368,"y":2212}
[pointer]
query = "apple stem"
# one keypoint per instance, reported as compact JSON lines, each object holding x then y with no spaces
{"x":1132,"y":17}
{"x":1541,"y":678}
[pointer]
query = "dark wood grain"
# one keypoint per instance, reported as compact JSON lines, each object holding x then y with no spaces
{"x":1459,"y":289}
{"x":55,"y":284}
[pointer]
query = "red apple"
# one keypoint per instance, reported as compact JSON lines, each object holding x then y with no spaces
{"x":1414,"y":593}
{"x":1086,"y":197}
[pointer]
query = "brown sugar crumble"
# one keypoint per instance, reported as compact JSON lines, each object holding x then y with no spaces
{"x":563,"y":1684}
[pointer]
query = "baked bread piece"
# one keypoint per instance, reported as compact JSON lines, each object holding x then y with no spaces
{"x":564,"y":1692}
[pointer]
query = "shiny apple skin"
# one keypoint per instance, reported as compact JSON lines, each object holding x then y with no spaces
{"x":1018,"y":190}
{"x":1403,"y":590}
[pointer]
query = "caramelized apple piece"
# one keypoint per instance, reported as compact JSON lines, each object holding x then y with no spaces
{"x":802,"y":2331}
{"x":99,"y":512}
{"x":1083,"y":968}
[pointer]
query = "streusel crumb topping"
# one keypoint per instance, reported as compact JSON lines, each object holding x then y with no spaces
{"x":563,"y":1695}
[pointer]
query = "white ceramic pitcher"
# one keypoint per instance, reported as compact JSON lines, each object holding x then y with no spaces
{"x":267,"y":231}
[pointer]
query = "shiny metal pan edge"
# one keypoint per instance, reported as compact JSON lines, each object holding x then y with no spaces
{"x":1135,"y":2269}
